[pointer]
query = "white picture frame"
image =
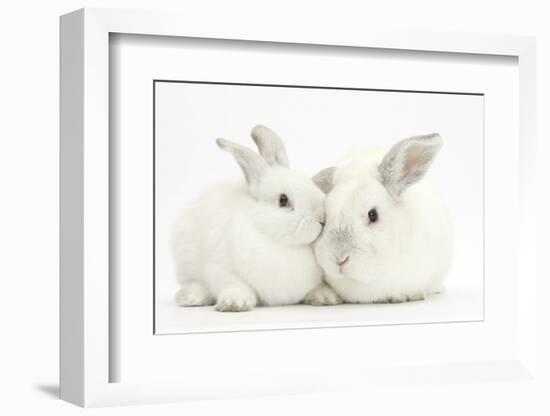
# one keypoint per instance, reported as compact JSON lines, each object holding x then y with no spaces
{"x":85,"y":223}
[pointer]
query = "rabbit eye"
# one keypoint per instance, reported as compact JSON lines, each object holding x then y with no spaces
{"x":283,"y":200}
{"x":373,"y":215}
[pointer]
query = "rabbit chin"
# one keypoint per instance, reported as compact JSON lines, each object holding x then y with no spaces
{"x":355,"y":271}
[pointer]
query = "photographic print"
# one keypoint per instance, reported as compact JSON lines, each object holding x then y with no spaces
{"x":285,"y":206}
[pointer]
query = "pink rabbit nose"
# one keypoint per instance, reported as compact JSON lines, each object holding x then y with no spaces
{"x":341,"y":262}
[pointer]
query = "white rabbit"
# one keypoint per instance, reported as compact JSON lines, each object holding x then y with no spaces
{"x":248,"y":242}
{"x":388,"y":236}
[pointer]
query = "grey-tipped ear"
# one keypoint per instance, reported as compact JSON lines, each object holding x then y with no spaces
{"x":325,"y":179}
{"x":252,"y":165}
{"x":408,"y":161}
{"x":270,"y":146}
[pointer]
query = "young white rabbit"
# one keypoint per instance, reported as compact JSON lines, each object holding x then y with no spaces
{"x":248,"y":242}
{"x":387,"y":236}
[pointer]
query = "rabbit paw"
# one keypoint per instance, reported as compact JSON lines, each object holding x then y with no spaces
{"x":194,"y":294}
{"x":236,"y":300}
{"x":401,"y":298}
{"x":322,"y":296}
{"x":414,"y":298}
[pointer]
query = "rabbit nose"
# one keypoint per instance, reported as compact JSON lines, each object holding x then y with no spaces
{"x":341,"y":262}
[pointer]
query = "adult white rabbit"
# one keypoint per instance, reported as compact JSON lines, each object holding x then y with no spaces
{"x":388,"y":236}
{"x":248,"y":242}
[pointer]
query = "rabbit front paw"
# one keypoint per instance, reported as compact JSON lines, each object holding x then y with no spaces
{"x":322,"y":295}
{"x":236,"y":300}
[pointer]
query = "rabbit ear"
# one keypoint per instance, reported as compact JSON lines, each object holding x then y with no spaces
{"x":252,"y":165}
{"x":270,"y":146}
{"x":325,"y":179}
{"x":408,"y":161}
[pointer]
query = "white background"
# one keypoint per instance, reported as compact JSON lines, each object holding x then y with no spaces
{"x":29,"y":171}
{"x":319,"y":127}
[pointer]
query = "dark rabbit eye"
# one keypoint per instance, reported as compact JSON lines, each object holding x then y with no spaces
{"x":373,"y":215}
{"x":283,"y":201}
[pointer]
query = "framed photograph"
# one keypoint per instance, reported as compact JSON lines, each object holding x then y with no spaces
{"x":286,"y":209}
{"x":324,"y":121}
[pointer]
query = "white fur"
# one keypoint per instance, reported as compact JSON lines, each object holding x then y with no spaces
{"x":322,"y":295}
{"x":236,"y":246}
{"x":405,"y":255}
